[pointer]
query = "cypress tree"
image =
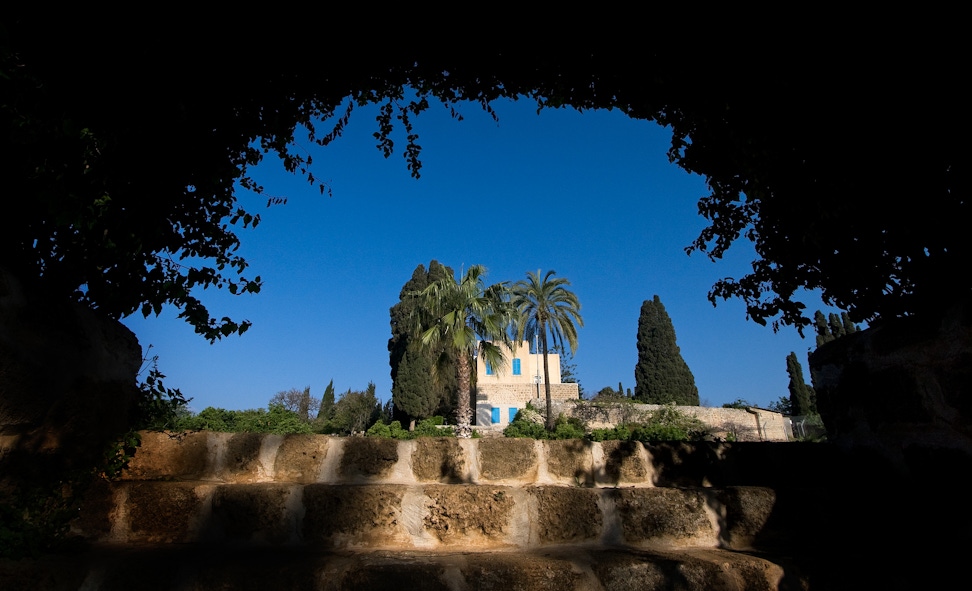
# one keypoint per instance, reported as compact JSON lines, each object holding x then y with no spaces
{"x":832,"y":326}
{"x":822,"y":328}
{"x":801,"y":395}
{"x":836,"y":326}
{"x":661,"y":375}
{"x":849,"y":327}
{"x":414,"y":392}
{"x":326,"y":411}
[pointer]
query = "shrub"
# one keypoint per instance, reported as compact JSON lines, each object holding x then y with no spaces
{"x":379,"y":429}
{"x":669,"y":421}
{"x":738,"y":403}
{"x":529,"y":423}
{"x":619,"y":433}
{"x":522,"y":428}
{"x":431,"y":427}
{"x":568,"y":429}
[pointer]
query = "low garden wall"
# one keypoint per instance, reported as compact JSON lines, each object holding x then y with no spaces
{"x":731,"y":424}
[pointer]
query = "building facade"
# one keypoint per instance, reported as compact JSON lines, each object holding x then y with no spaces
{"x":502,"y":391}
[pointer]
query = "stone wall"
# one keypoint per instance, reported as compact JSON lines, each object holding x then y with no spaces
{"x":520,"y":394}
{"x":734,"y":424}
{"x":425,"y":494}
{"x":211,"y":510}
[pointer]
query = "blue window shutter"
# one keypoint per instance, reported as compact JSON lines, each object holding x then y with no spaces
{"x":496,"y":414}
{"x":489,"y":369}
{"x":513,"y":412}
{"x":516,"y":366}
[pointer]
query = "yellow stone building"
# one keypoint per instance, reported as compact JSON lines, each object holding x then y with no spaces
{"x":502,"y":391}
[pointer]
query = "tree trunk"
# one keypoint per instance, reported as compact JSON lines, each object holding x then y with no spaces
{"x":463,"y":413}
{"x":546,"y":379}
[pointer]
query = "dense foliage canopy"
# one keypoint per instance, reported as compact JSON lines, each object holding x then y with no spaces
{"x":123,"y":155}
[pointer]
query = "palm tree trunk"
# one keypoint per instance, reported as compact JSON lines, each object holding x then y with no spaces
{"x":546,"y":379}
{"x":463,"y":413}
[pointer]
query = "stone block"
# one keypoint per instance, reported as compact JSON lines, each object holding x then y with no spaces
{"x":743,"y":513}
{"x":625,"y":462}
{"x":171,"y":456}
{"x":570,"y":461}
{"x":368,"y":457}
{"x":341,"y":516}
{"x":299,"y":458}
{"x":507,"y":459}
{"x":664,"y":515}
{"x":469,"y":515}
{"x":439,"y":459}
{"x":239,"y":459}
{"x":566,"y":515}
{"x":164,"y":512}
{"x":254,"y":513}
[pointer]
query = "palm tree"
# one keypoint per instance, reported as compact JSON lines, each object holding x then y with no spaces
{"x":546,"y":305}
{"x":466,"y":315}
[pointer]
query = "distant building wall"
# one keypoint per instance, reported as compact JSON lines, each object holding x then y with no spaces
{"x":753,"y":424}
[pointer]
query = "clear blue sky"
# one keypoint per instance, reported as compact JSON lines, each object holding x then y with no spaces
{"x":590,"y":195}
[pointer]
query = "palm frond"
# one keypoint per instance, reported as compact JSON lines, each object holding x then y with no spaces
{"x":547,"y":305}
{"x":466,"y":314}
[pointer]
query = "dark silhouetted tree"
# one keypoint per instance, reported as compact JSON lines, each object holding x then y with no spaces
{"x":832,"y":326}
{"x":782,"y":405}
{"x":739,"y":403}
{"x":801,"y":394}
{"x":849,"y":326}
{"x":305,"y":404}
{"x":661,"y":375}
{"x":822,"y":328}
{"x":414,"y":391}
{"x":607,"y":393}
{"x":836,"y":326}
{"x":816,"y":216}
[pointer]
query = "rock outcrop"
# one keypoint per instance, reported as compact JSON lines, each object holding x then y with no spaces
{"x":67,"y":382}
{"x":903,"y":386}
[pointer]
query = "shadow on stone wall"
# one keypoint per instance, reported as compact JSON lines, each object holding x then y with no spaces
{"x":67,"y":390}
